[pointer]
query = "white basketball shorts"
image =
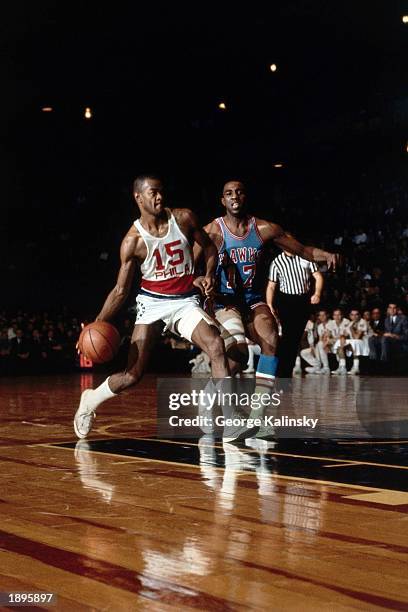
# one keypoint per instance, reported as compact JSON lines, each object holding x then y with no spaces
{"x":180,"y":315}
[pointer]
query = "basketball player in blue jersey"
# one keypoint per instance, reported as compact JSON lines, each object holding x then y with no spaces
{"x":160,"y":243}
{"x":238,"y":303}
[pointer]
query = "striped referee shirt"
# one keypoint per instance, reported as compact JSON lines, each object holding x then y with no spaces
{"x":292,"y":273}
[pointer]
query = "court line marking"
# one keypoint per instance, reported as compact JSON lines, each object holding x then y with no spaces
{"x":271,"y":452}
{"x":343,"y":464}
{"x":242,"y":472}
{"x":372,"y":442}
{"x":249,"y":449}
{"x":348,"y":461}
{"x":77,"y":440}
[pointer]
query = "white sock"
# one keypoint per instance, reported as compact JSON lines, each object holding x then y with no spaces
{"x":251,"y":354}
{"x":101,"y":394}
{"x":356,"y":363}
{"x":298,"y":362}
{"x":342,"y":363}
{"x":323,"y":357}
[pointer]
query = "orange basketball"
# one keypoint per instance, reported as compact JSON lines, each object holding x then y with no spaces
{"x":99,"y":341}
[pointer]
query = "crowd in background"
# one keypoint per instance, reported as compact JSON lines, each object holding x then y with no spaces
{"x":45,"y":343}
{"x":37,"y":342}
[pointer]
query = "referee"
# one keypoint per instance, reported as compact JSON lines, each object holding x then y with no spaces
{"x":291,"y":304}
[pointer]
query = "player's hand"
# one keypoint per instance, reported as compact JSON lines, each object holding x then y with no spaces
{"x":209,"y":285}
{"x":333,"y":261}
{"x":231,"y":275}
{"x":198,"y":282}
{"x":205,"y":284}
{"x":315,"y":299}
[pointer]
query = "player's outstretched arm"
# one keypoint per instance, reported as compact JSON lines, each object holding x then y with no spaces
{"x":272,"y":231}
{"x":120,"y":292}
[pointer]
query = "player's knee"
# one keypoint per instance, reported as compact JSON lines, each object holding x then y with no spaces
{"x":269,"y":342}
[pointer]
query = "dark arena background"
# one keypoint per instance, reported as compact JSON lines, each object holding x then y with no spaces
{"x":306,"y":103}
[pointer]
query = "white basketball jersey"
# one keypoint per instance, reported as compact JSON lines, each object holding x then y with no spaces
{"x":169,"y":265}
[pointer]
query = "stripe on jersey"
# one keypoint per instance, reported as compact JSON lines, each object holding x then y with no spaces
{"x":163,"y":296}
{"x":171,"y":286}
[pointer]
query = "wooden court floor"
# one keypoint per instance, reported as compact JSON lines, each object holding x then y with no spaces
{"x":126,"y":521}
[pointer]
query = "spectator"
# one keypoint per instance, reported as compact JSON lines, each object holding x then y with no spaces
{"x":317,"y":356}
{"x":356,"y":339}
{"x":393,"y":340}
{"x":367,"y":316}
{"x":38,"y":352}
{"x":376,"y":323}
{"x":4,"y":351}
{"x":20,"y":351}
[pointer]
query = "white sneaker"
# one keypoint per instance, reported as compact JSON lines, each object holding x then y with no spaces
{"x":325,"y":371}
{"x":313,"y":370}
{"x":200,"y":365}
{"x":341,"y":370}
{"x":354,"y":372}
{"x":297,"y":371}
{"x":84,"y":416}
{"x":248,"y":371}
{"x":266,"y":433}
{"x":235,"y":433}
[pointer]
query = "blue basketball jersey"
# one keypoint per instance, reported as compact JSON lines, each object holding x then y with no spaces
{"x":237,"y":262}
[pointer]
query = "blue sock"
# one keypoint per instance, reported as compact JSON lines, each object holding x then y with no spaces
{"x":267,"y":366}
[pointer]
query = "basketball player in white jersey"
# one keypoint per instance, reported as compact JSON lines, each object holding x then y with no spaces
{"x":159,"y":243}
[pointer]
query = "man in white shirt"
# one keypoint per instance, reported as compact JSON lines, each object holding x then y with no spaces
{"x":308,"y":354}
{"x":338,"y":324}
{"x":316,"y":356}
{"x":353,"y":341}
{"x":337,"y":328}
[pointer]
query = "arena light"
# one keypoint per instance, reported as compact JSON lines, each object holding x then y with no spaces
{"x":88,"y":113}
{"x":47,"y":109}
{"x":405,"y":19}
{"x":222,"y":106}
{"x":273,"y":67}
{"x":278,"y":165}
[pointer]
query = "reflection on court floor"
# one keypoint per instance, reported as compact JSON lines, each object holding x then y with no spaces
{"x":127,"y":520}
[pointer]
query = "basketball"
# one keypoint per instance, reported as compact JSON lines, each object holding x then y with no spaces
{"x":99,"y":341}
